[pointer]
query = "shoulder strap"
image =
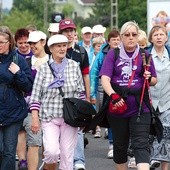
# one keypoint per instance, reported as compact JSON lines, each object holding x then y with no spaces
{"x":116,"y":53}
{"x":15,"y":59}
{"x":29,"y":61}
{"x":82,"y":51}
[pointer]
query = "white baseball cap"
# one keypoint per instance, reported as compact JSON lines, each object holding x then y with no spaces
{"x":53,"y":27}
{"x":86,"y":30}
{"x":58,"y":38}
{"x":98,"y":29}
{"x":36,"y":36}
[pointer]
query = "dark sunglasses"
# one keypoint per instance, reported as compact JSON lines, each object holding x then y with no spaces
{"x":128,"y":34}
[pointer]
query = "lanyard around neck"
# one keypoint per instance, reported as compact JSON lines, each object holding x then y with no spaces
{"x":133,"y":71}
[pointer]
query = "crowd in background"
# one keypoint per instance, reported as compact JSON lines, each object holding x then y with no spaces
{"x":34,"y":66}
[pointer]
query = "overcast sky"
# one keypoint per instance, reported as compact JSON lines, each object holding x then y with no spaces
{"x":7,"y":3}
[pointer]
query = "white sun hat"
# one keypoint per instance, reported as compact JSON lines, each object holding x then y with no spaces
{"x":86,"y":29}
{"x":58,"y":38}
{"x":36,"y":36}
{"x":98,"y":29}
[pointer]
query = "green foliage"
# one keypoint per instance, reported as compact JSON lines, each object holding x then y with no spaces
{"x":36,"y":7}
{"x":101,"y":12}
{"x":19,"y":19}
{"x":68,"y":10}
{"x":132,"y":10}
{"x":28,"y":12}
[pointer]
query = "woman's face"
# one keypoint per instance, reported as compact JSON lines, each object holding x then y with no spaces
{"x":23,"y":46}
{"x":130,"y":39}
{"x":37,"y":47}
{"x":59,"y":50}
{"x":114,"y":42}
{"x":159,"y":38}
{"x":4,"y":44}
{"x":97,"y":47}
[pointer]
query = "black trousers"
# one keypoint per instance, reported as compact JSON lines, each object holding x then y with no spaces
{"x":124,"y":129}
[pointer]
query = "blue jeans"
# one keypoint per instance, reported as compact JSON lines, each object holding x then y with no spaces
{"x":79,"y":157}
{"x":8,"y":143}
{"x":110,"y":136}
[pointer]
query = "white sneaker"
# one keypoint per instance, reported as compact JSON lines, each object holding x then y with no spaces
{"x":132,"y":163}
{"x":155,"y":164}
{"x":79,"y":167}
{"x":98,"y":133}
{"x":110,"y":152}
{"x":16,"y":157}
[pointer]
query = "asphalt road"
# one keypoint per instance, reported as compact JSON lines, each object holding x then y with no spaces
{"x":96,"y":154}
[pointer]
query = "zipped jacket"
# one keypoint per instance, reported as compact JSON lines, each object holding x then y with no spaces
{"x":13,"y":107}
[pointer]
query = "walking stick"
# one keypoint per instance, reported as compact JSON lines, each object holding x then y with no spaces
{"x":143,"y":88}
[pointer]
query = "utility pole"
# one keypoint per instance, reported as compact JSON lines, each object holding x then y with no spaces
{"x":45,"y":14}
{"x":114,"y":14}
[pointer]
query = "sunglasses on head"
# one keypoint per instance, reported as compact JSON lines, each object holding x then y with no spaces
{"x":130,"y":34}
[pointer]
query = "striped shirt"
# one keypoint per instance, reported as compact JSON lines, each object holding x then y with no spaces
{"x":48,"y":101}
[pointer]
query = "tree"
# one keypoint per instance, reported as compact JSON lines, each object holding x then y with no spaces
{"x":134,"y":10}
{"x":101,"y":11}
{"x":19,"y":19}
{"x":68,"y":10}
{"x":36,"y":8}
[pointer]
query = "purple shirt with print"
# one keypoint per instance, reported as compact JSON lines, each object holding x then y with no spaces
{"x":118,"y":70}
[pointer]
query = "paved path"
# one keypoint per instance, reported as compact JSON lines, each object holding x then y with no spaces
{"x":96,"y":154}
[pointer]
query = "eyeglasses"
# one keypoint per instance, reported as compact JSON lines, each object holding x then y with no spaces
{"x":132,"y":34}
{"x":3,"y":43}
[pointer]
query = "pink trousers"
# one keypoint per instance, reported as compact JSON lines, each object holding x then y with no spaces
{"x":59,"y":141}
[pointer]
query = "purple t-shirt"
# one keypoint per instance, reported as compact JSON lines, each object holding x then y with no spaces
{"x":118,"y":70}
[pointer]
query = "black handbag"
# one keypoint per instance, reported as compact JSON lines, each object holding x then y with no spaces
{"x":77,"y":112}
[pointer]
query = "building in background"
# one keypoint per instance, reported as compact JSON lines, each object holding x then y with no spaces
{"x":82,"y":8}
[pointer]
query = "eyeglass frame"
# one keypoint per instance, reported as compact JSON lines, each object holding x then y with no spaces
{"x":3,"y":43}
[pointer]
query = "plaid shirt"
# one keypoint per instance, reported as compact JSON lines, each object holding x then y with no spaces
{"x":48,"y":101}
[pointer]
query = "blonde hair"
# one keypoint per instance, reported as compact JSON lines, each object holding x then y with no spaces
{"x":97,"y":40}
{"x":142,"y":38}
{"x":5,"y":31}
{"x":127,"y":25}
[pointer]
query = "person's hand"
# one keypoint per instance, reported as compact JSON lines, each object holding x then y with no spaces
{"x":35,"y":126}
{"x":93,"y":101}
{"x":147,"y":74}
{"x":117,"y":100}
{"x":117,"y":105}
{"x":88,"y":99}
{"x":13,"y":68}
